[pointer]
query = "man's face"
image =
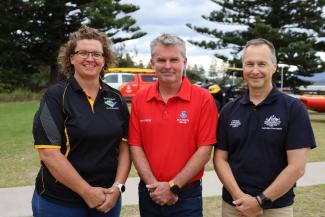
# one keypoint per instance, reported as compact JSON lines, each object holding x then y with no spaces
{"x":168,"y":63}
{"x":258,"y":67}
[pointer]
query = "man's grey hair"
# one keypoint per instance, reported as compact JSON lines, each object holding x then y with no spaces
{"x":260,"y":41}
{"x":168,"y":40}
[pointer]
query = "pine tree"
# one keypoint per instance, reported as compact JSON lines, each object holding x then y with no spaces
{"x":38,"y":28}
{"x":294,"y":26}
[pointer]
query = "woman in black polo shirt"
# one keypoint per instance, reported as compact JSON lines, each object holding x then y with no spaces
{"x":80,"y":132}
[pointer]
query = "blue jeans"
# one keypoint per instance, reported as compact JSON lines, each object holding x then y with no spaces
{"x":45,"y":208}
{"x":189,"y":204}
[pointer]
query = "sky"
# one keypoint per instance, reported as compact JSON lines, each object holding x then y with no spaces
{"x":171,"y":16}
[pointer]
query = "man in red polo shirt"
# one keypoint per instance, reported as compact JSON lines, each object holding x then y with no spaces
{"x":172,"y":130}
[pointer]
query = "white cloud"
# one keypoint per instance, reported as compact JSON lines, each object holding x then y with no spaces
{"x":170,"y":16}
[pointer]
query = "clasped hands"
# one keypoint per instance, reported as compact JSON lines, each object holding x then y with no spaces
{"x":160,"y":193}
{"x":247,"y":206}
{"x":103,"y":199}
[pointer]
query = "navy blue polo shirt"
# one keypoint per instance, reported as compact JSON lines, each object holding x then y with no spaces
{"x":88,"y":135}
{"x":257,"y":138}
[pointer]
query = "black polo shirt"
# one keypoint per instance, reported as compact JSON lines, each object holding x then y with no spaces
{"x":257,"y":138}
{"x":88,"y":135}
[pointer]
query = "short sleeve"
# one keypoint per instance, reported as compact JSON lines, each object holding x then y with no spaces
{"x":126,"y":118}
{"x":299,"y":133}
{"x":48,"y":125}
{"x":221,"y":131}
{"x":134,"y":127}
{"x":208,"y":123}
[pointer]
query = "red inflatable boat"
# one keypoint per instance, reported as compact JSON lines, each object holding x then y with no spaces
{"x":316,"y":103}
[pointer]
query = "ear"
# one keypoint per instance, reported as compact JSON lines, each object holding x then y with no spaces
{"x":185,"y":62}
{"x":275,"y":65}
{"x":71,"y":59}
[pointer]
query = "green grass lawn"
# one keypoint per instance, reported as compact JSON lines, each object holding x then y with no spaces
{"x":318,"y":123}
{"x":19,"y":160}
{"x":309,"y":202}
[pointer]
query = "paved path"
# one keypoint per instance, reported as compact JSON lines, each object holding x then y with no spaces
{"x":16,"y":202}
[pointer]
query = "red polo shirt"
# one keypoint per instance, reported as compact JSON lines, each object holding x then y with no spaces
{"x":170,"y":133}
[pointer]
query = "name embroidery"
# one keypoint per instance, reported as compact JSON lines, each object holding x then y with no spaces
{"x":146,"y":120}
{"x":235,"y":123}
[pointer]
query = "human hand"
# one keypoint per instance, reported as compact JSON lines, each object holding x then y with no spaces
{"x":94,"y":196}
{"x":161,"y":194}
{"x":248,"y":206}
{"x":111,"y":196}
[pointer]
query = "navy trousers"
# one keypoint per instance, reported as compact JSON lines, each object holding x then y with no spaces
{"x":189,"y":204}
{"x":45,"y":208}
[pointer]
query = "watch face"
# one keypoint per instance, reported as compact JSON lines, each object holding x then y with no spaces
{"x":267,"y":203}
{"x":122,"y":188}
{"x":175,"y":189}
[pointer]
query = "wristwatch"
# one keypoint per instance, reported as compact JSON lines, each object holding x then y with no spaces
{"x":121,"y":187}
{"x":263,"y":201}
{"x":173,"y":187}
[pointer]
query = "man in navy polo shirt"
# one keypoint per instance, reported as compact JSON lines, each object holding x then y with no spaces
{"x":264,"y":138}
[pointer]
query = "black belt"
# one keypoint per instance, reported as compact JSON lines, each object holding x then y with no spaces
{"x":185,"y":187}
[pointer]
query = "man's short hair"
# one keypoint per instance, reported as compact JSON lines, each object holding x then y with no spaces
{"x":168,"y":40}
{"x":261,"y":41}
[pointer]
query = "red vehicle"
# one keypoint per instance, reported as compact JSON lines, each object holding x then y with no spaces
{"x":129,"y":80}
{"x":141,"y":81}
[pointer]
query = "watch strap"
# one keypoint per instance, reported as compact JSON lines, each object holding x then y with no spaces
{"x":264,"y":201}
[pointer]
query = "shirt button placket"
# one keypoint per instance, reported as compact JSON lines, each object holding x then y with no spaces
{"x":165,"y":112}
{"x":165,"y":115}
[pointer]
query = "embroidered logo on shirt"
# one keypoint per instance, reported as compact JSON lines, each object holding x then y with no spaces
{"x":235,"y":123}
{"x":110,"y":102}
{"x":271,"y":123}
{"x":183,"y":117}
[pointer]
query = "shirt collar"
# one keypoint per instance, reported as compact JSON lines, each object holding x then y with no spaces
{"x":184,"y":93}
{"x":76,"y":87}
{"x":74,"y":84}
{"x":268,"y":100}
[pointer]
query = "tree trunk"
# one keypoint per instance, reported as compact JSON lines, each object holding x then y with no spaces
{"x":54,"y":74}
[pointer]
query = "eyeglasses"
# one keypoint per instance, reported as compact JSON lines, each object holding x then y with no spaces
{"x":85,"y":54}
